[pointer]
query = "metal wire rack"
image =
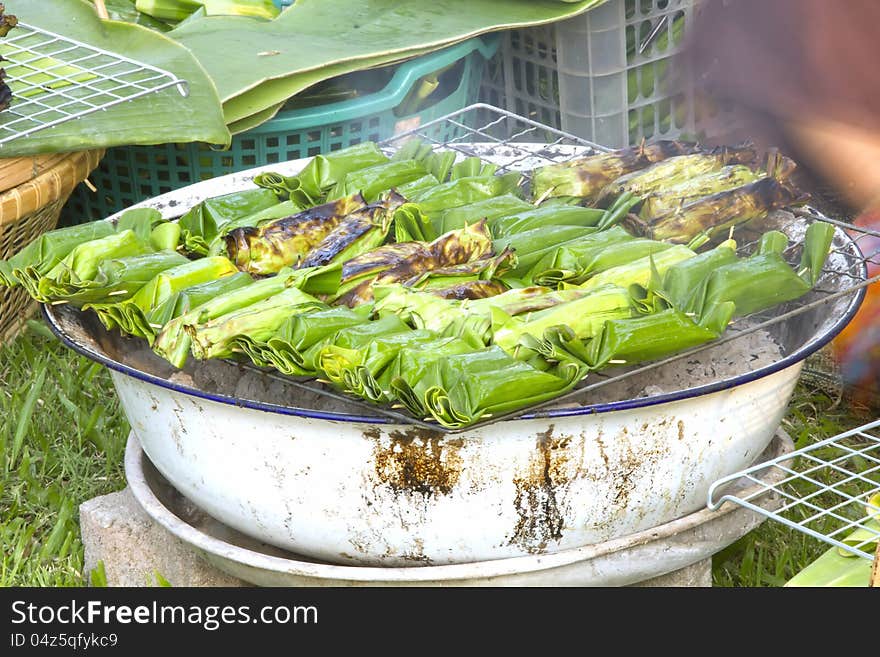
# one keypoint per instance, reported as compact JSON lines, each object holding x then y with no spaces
{"x":514,"y":139}
{"x":55,"y":79}
{"x":830,"y":490}
{"x":520,"y":144}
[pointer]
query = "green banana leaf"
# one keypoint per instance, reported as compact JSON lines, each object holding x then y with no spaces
{"x":81,"y":264}
{"x":173,"y":343}
{"x":118,"y":279}
{"x":491,"y":209}
{"x":645,"y":338}
{"x":577,"y":260}
{"x":461,"y":389}
{"x":334,"y":37}
{"x":463,"y":191}
{"x":423,"y":310}
{"x":372,"y":181}
{"x":532,"y":245}
{"x":43,"y":253}
{"x":639,"y":272}
{"x":156,"y":118}
{"x":532,"y":217}
{"x":585,"y":317}
{"x":256,"y":322}
{"x":297,"y":342}
{"x":194,"y":296}
{"x":130,"y":315}
{"x":310,"y":186}
{"x":833,"y":570}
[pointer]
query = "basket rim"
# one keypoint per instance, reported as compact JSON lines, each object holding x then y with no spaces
{"x":54,"y":183}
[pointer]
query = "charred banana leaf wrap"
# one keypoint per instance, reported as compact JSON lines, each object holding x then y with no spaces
{"x":437,"y":283}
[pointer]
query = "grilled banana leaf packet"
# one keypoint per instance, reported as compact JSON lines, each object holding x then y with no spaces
{"x":400,"y":262}
{"x":287,"y":241}
{"x":203,"y":223}
{"x":586,"y":177}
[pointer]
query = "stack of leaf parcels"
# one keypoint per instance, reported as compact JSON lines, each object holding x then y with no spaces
{"x":437,"y":283}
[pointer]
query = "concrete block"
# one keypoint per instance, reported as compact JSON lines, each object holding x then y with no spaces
{"x":697,"y":575}
{"x":116,"y":530}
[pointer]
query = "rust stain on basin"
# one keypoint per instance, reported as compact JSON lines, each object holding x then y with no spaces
{"x":417,"y":461}
{"x":540,"y":519}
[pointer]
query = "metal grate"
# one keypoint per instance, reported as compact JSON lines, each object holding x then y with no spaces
{"x":827,"y":489}
{"x":517,"y":143}
{"x":55,"y":79}
{"x":521,"y":144}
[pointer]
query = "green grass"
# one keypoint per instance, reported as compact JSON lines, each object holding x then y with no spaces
{"x":63,"y":436}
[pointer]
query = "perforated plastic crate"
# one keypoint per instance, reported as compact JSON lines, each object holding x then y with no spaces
{"x":607,"y":75}
{"x":130,"y":174}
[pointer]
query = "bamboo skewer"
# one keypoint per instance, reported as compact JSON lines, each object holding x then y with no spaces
{"x":101,"y":8}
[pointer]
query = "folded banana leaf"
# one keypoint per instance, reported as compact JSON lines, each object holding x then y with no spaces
{"x":130,"y":315}
{"x":418,"y":186}
{"x":293,"y":348}
{"x":576,"y":260}
{"x":489,"y":208}
{"x":683,"y":286}
{"x":358,"y":371}
{"x":407,"y":378}
{"x":423,"y":310}
{"x":675,"y":170}
{"x":532,"y":217}
{"x":141,"y":221}
{"x":639,"y":272}
{"x":257,"y":322}
{"x":714,"y":214}
{"x":455,"y":288}
{"x":191,"y":297}
{"x":586,"y":177}
{"x":532,"y":245}
{"x":203,"y":222}
{"x":43,"y":253}
{"x":584,"y":316}
{"x":523,"y":300}
{"x":461,"y":389}
{"x":670,"y":198}
{"x":372,"y":181}
{"x":463,"y":191}
{"x":173,"y":343}
{"x":81,"y":264}
{"x":353,"y":347}
{"x":645,"y":338}
{"x":817,"y":246}
{"x":400,"y":262}
{"x":118,"y":279}
{"x":287,"y":241}
{"x":310,"y":186}
{"x":359,"y":232}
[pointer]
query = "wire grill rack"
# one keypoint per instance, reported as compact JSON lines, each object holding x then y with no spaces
{"x":55,"y":79}
{"x":829,"y":490}
{"x":520,"y":144}
{"x":514,"y":138}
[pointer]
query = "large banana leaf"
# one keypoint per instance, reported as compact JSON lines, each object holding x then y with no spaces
{"x":317,"y":39}
{"x":157,"y":118}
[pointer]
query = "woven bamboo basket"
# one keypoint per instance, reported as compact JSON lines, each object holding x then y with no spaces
{"x":32,"y":192}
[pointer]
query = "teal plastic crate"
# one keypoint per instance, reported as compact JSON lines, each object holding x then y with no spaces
{"x":130,"y":174}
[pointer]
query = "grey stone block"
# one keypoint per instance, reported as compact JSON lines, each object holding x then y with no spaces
{"x":116,"y":530}
{"x":698,"y":575}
